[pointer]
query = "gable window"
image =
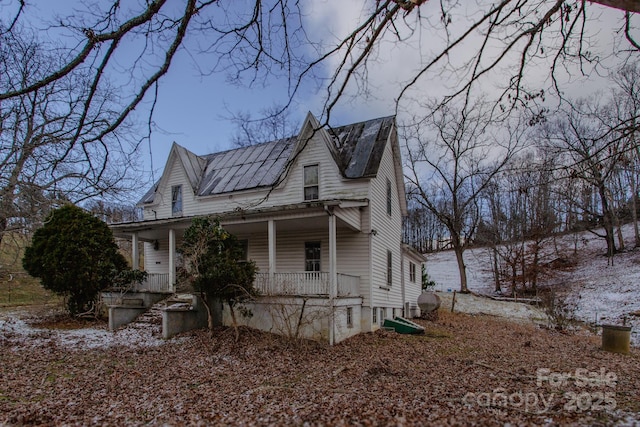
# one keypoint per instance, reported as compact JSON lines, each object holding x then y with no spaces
{"x":389,"y":267}
{"x":311,"y":187}
{"x":412,"y":272}
{"x":176,"y":200}
{"x":388,"y":197}
{"x":312,"y":256}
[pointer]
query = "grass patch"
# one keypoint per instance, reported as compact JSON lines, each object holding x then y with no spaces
{"x":25,"y":292}
{"x":17,"y":288}
{"x":437,"y":333}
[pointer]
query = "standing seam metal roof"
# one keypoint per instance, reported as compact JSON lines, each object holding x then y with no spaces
{"x":359,"y":148}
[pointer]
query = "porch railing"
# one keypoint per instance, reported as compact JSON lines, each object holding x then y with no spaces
{"x":155,"y":282}
{"x":314,"y":283}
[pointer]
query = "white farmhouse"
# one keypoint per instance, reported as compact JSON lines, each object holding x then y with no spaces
{"x":320,"y":214}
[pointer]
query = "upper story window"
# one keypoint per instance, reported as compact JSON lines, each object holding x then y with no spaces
{"x":312,"y":256}
{"x":388,"y":197}
{"x":176,"y":200}
{"x":412,"y":272}
{"x":311,"y":187}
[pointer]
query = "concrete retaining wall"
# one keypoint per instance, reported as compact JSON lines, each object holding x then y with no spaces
{"x":126,"y":298}
{"x":120,"y":315}
{"x":180,"y":318}
{"x":281,"y":315}
{"x":125,"y":307}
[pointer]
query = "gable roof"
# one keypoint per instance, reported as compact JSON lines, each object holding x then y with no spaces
{"x":361,"y":145}
{"x":357,"y":149}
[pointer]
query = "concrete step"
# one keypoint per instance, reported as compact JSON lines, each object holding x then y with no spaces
{"x":152,"y":319}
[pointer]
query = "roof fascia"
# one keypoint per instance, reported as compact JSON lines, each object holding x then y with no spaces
{"x":397,"y":162}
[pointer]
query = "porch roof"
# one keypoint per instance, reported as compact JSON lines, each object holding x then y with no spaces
{"x":260,"y":214}
{"x":410,"y":250}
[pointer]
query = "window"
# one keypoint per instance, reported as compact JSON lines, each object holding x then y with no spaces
{"x":389,"y":268}
{"x":375,"y":315}
{"x":349,"y":317}
{"x":311,"y":188}
{"x":388,"y":197}
{"x":383,"y":313}
{"x":412,"y":272}
{"x":312,"y":256}
{"x":176,"y":200}
{"x":243,"y":249}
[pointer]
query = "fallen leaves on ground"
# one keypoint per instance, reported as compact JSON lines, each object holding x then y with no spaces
{"x":466,"y":370}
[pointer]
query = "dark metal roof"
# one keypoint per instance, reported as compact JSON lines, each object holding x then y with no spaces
{"x":361,"y":145}
{"x":358,"y":149}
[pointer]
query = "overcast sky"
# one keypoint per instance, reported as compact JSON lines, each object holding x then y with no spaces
{"x":191,"y":108}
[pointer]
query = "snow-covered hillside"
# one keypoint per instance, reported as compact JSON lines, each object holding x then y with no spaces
{"x":602,"y":293}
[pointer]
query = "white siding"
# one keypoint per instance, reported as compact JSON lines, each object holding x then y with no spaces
{"x":156,"y":261}
{"x":176,"y":176}
{"x":352,"y":253}
{"x":388,"y":236}
{"x":332,"y":186}
{"x":412,"y":289}
{"x":351,"y":216}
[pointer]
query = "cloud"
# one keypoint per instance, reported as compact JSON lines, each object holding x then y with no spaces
{"x":394,"y":63}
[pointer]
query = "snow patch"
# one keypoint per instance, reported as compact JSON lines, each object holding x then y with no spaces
{"x":601,"y":293}
{"x":16,"y":332}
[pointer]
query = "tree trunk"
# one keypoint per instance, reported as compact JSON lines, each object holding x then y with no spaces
{"x":607,"y":219}
{"x":535,"y":267}
{"x":233,"y":321}
{"x":3,"y":227}
{"x":205,"y":301}
{"x":634,"y":207}
{"x":496,"y":271}
{"x":457,"y":248}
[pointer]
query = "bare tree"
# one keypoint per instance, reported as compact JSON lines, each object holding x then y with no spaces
{"x":452,"y":156}
{"x":627,"y":109}
{"x":272,"y":124}
{"x":39,"y":164}
{"x":253,"y":41}
{"x":521,"y":216}
{"x":585,"y":137}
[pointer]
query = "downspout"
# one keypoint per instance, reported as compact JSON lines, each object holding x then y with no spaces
{"x":402,"y":290}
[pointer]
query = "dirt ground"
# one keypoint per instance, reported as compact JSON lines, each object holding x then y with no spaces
{"x":466,"y":370}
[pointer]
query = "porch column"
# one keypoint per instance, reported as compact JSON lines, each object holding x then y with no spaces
{"x":272,"y":250}
{"x":333,"y":268}
{"x":333,"y":275}
{"x":172,"y":258}
{"x":135,"y":256}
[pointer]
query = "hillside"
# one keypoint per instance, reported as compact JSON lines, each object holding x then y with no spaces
{"x":595,"y":291}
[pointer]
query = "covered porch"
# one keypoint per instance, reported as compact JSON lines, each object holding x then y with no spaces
{"x":275,"y":240}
